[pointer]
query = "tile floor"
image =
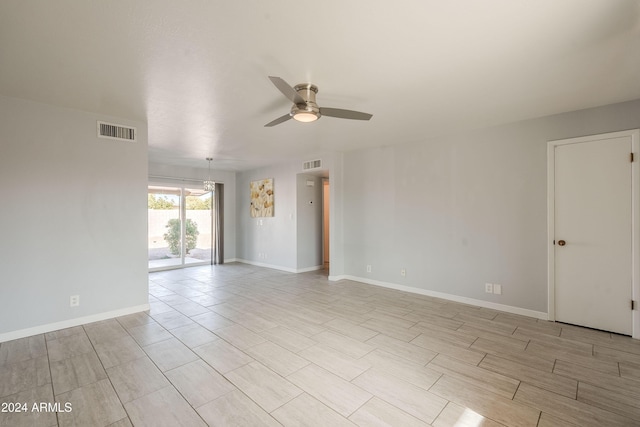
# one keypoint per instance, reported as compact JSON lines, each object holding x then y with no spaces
{"x":237,"y":345}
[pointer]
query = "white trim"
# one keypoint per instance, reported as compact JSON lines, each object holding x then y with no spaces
{"x":262,"y":264}
{"x":635,"y":215}
{"x":278,"y":267}
{"x":307,"y":269}
{"x":456,"y":298}
{"x":551,"y":263}
{"x":50,"y":327}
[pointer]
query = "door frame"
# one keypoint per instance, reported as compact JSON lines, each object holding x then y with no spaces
{"x":326,"y":218}
{"x":635,"y":215}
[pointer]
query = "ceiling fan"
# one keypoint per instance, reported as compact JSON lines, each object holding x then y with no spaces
{"x":305,"y":108}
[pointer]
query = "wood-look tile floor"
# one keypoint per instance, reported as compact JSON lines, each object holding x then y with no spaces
{"x":237,"y":345}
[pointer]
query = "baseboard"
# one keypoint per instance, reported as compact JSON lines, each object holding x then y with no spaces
{"x":265,"y":265}
{"x":281,"y":268}
{"x":456,"y":298}
{"x":307,"y":269}
{"x":50,"y":327}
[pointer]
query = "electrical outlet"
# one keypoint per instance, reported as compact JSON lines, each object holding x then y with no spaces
{"x":403,"y":272}
{"x":488,"y":288}
{"x":369,"y":268}
{"x":497,"y":289}
{"x":74,"y":300}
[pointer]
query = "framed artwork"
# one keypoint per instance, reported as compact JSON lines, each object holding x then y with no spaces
{"x":261,"y":198}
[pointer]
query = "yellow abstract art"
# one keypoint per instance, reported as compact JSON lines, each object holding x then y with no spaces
{"x":261,"y":198}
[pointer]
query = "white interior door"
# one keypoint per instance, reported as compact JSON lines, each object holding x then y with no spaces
{"x":593,"y":233}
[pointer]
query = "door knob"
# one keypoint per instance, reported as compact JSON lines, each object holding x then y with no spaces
{"x":562,"y":242}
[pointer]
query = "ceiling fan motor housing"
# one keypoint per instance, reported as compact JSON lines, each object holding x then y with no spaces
{"x":308,"y":92}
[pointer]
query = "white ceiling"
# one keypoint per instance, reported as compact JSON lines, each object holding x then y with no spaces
{"x":196,"y":71}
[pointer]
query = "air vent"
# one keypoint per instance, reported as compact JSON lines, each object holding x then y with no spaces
{"x":119,"y":132}
{"x":312,"y":164}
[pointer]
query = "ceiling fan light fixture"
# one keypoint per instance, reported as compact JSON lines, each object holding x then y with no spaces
{"x":306,"y":116}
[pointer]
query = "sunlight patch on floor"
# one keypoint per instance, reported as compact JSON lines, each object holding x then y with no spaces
{"x":469,"y":418}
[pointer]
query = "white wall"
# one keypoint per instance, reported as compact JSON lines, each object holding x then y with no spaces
{"x":73,"y":219}
{"x":269,"y":241}
{"x":186,"y":175}
{"x":462,"y":210}
{"x":273,"y":242}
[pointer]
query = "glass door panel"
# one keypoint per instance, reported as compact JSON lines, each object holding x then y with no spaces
{"x":164,"y":227}
{"x":198,"y":226}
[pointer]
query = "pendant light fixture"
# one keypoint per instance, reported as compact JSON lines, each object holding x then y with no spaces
{"x":208,"y":184}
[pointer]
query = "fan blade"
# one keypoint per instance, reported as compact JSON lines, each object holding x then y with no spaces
{"x":345,"y":114}
{"x":287,"y":90}
{"x":278,"y":120}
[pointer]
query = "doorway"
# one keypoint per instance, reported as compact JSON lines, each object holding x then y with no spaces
{"x":593,"y":231}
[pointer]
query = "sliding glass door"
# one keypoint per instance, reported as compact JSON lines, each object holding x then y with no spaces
{"x":164,"y":227}
{"x":179,"y":227}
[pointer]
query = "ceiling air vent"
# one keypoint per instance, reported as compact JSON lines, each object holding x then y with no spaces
{"x":312,"y":164}
{"x":119,"y":132}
